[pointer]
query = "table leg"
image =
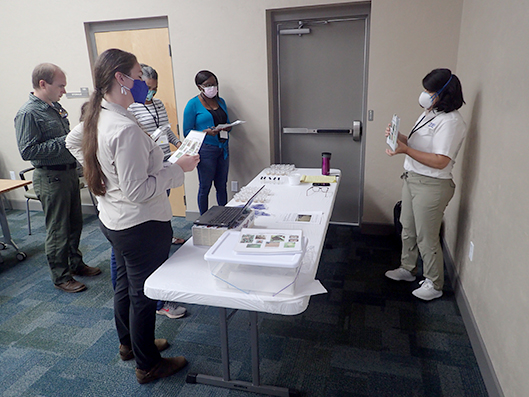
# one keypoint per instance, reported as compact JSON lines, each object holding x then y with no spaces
{"x":7,"y":234}
{"x":225,"y":381}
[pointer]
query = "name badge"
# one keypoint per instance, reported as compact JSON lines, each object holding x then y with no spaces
{"x":162,"y":140}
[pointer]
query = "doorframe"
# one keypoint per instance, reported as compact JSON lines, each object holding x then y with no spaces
{"x":93,"y":27}
{"x":273,"y":18}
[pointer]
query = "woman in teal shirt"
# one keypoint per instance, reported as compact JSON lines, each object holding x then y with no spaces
{"x":203,"y":113}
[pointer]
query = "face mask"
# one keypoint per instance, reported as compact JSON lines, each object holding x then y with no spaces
{"x":210,"y":92}
{"x":425,"y":100}
{"x":150,"y":95}
{"x":139,"y":90}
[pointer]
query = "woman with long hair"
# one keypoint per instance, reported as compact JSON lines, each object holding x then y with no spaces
{"x":123,"y":166}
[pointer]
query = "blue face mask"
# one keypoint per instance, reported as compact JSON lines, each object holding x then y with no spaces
{"x":139,"y":90}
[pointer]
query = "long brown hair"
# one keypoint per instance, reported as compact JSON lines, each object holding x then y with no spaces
{"x":106,"y":66}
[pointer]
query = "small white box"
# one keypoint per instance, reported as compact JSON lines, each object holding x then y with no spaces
{"x":268,"y":273}
{"x":208,"y":235}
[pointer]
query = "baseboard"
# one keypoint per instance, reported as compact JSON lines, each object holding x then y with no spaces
{"x":192,"y":215}
{"x":478,"y":346}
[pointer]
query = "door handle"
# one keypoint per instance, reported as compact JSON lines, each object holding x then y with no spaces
{"x":357,"y":130}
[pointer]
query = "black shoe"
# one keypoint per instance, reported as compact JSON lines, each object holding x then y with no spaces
{"x":71,"y":286}
{"x":87,"y":271}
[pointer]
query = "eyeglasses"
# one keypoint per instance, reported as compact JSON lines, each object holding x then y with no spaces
{"x":316,"y":189}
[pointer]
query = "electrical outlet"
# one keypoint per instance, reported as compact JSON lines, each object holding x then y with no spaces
{"x":234,"y":186}
{"x":471,"y":251}
{"x":12,"y":175}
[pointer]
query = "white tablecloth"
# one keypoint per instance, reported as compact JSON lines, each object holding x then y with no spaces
{"x":185,"y":277}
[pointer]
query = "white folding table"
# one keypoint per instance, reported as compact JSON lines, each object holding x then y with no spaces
{"x":185,"y":277}
{"x":7,"y":185}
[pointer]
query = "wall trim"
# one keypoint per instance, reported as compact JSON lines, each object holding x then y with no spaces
{"x":478,"y":345}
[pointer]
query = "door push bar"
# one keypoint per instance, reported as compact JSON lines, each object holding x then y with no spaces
{"x":356,"y":131}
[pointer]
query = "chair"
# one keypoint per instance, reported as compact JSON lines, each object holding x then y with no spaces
{"x":30,"y":194}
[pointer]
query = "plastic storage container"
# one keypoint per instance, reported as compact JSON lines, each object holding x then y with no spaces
{"x":268,"y":273}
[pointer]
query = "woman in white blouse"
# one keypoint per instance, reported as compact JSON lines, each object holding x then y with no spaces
{"x":430,"y":149}
{"x":123,"y":166}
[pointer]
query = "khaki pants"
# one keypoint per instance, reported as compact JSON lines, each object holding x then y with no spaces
{"x":424,"y":200}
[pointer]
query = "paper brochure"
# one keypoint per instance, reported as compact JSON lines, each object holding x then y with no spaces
{"x":191,"y":145}
{"x":391,"y":139}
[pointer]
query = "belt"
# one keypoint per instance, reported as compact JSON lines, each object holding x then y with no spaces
{"x":58,"y":167}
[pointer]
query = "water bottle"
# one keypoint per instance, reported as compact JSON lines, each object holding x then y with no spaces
{"x":325,"y":163}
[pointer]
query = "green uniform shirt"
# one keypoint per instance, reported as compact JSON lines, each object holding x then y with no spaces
{"x":41,"y":133}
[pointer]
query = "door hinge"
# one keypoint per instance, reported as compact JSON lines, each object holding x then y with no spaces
{"x":170,"y":52}
{"x":185,"y":203}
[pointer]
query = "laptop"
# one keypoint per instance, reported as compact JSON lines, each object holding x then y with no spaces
{"x":221,"y":216}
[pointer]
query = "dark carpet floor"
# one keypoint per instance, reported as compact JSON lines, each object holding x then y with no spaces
{"x":368,"y":336}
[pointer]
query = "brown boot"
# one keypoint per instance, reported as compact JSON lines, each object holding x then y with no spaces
{"x":166,"y":367}
{"x":87,"y":271}
{"x":126,"y":353}
{"x":71,"y":286}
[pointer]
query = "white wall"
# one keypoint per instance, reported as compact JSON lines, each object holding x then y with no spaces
{"x":404,"y":47}
{"x":235,"y":48}
{"x":490,"y":208}
{"x":483,"y":41}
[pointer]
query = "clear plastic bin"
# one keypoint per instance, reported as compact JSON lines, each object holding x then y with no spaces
{"x":267,"y":273}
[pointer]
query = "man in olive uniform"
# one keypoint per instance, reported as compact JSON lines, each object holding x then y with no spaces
{"x":41,"y":127}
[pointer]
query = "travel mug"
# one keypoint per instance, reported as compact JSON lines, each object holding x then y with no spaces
{"x":325,"y":163}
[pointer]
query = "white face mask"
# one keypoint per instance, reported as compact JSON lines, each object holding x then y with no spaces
{"x":426,"y":100}
{"x":210,"y":92}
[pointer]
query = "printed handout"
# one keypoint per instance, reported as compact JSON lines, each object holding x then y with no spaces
{"x":190,"y":145}
{"x":236,"y":122}
{"x":224,"y":134}
{"x":391,"y":140}
{"x":302,"y":217}
{"x":265,"y":241}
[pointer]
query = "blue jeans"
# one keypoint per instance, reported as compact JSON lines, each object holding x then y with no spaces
{"x":213,"y":168}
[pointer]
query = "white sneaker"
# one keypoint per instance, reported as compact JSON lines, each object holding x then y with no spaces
{"x":172,"y":310}
{"x":427,"y":291}
{"x":400,"y":274}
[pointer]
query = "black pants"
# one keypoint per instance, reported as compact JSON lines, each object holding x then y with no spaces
{"x":139,"y":251}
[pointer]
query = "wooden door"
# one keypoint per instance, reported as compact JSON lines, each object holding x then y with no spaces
{"x":151,"y":46}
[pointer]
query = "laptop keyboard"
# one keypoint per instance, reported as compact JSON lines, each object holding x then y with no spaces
{"x":226,"y":215}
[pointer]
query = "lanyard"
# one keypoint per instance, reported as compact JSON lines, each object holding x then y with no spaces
{"x":157,"y":118}
{"x":418,"y":127}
